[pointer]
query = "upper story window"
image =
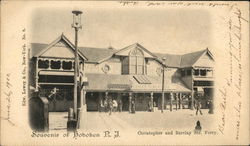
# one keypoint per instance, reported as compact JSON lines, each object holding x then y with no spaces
{"x":134,"y":63}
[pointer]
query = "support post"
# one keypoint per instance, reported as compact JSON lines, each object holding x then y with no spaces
{"x":176,"y":104}
{"x":119,"y":100}
{"x":75,"y":73}
{"x":100,"y":101}
{"x":171,"y":101}
{"x":192,"y":93}
{"x":130,"y":100}
{"x":162,"y":97}
{"x":180,"y":100}
{"x":152,"y":101}
{"x":81,"y":97}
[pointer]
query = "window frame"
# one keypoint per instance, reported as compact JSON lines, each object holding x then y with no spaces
{"x":137,"y":54}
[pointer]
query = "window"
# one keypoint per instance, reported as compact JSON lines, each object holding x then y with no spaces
{"x":55,"y":64}
{"x":43,"y":64}
{"x":136,"y":62}
{"x":196,"y":72}
{"x":67,"y":65}
{"x":203,"y":72}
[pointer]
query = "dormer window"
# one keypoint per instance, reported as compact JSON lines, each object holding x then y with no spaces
{"x":134,"y":63}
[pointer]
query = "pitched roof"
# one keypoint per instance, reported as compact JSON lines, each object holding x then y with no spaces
{"x":96,"y":55}
{"x":150,"y":54}
{"x":187,"y":60}
{"x":38,"y":48}
{"x":182,"y":61}
{"x":172,"y":60}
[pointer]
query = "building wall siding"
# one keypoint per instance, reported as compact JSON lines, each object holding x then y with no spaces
{"x":152,"y":67}
{"x":115,"y":67}
{"x":187,"y":81}
{"x":205,"y":61}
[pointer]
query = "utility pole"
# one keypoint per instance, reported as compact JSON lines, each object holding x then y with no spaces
{"x":163,"y":78}
{"x":77,"y":25}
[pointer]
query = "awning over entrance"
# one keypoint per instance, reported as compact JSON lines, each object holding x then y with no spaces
{"x":105,"y":82}
{"x":156,"y":85}
{"x":108,"y":82}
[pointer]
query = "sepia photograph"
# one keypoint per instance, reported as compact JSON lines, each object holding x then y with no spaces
{"x":111,"y":83}
{"x":125,"y":73}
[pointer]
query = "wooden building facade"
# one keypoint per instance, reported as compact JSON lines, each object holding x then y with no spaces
{"x":125,"y":75}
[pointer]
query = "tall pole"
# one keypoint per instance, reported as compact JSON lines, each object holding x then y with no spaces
{"x":77,"y":25}
{"x":163,"y":78}
{"x":75,"y":73}
{"x":162,"y":97}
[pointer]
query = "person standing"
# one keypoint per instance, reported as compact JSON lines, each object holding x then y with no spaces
{"x":133,"y":106}
{"x":189,"y":102}
{"x":198,"y":107}
{"x":105,"y":105}
{"x":115,"y":105}
{"x":150,"y":105}
{"x":110,"y":105}
{"x":120,"y":105}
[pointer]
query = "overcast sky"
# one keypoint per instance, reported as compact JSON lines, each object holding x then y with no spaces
{"x":159,"y":30}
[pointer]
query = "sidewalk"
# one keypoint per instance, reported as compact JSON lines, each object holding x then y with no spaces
{"x":180,"y":119}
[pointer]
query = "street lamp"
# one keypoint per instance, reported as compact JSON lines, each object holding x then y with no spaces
{"x":163,"y":72}
{"x":77,"y":25}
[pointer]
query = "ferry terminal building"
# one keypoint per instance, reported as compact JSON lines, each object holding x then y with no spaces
{"x":133,"y":73}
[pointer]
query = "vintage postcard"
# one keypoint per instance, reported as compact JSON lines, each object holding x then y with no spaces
{"x":124,"y":73}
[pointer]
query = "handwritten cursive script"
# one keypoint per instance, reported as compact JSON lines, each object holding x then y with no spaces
{"x":8,"y":97}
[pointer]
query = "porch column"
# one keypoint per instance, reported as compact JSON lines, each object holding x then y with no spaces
{"x":130,"y":104}
{"x":177,"y":100}
{"x":180,"y":100}
{"x":192,"y":92}
{"x":100,"y":101}
{"x":152,"y":101}
{"x":119,"y":100}
{"x":171,"y":101}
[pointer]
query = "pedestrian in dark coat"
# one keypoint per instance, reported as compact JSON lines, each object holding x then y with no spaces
{"x":198,"y":126}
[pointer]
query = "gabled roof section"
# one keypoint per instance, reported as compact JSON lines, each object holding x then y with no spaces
{"x":185,"y":60}
{"x":124,"y":51}
{"x":188,"y":60}
{"x":39,"y":49}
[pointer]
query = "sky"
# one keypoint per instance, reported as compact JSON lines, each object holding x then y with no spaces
{"x":160,"y":30}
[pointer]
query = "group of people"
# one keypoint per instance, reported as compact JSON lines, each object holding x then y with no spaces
{"x":110,"y":105}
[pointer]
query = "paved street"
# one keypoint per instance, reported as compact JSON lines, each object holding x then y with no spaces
{"x":181,"y":119}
